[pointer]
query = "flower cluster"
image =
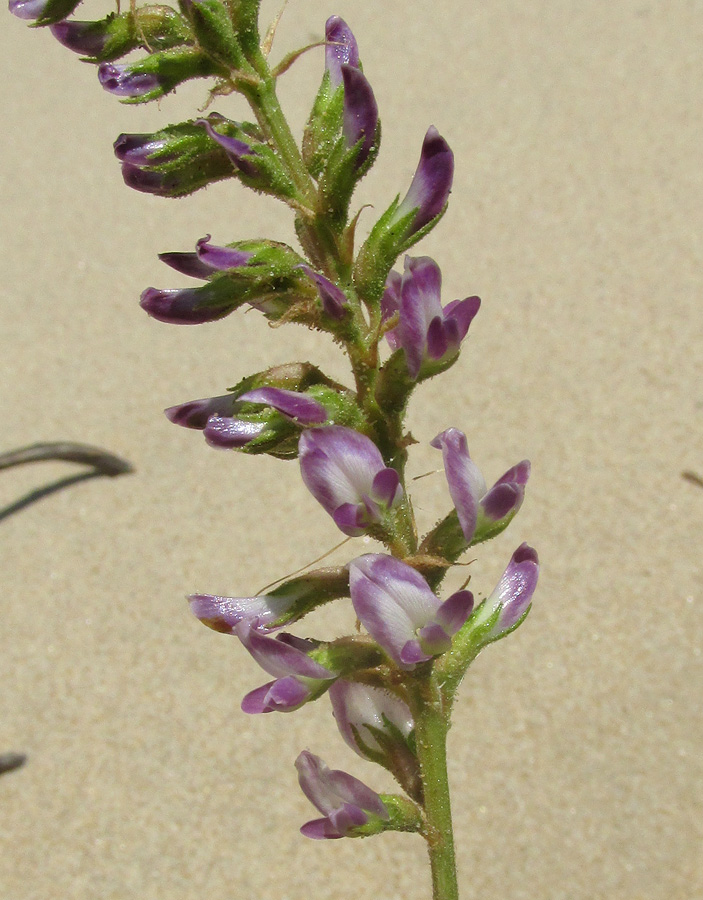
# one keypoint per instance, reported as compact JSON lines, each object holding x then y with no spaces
{"x":387,"y":682}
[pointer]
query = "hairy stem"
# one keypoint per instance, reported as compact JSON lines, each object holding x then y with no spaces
{"x":431,"y":734}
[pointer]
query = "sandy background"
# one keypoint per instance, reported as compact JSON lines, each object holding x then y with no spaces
{"x":577,"y":214}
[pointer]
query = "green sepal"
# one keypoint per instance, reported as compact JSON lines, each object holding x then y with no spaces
{"x":262,"y":169}
{"x":212,"y":25}
{"x":403,"y":815}
{"x":55,"y":11}
{"x":151,"y":27}
{"x":310,"y":591}
{"x":389,"y":237}
{"x":340,"y":176}
{"x":446,"y":540}
{"x":472,"y":637}
{"x":397,"y":754}
{"x":394,"y":384}
{"x":324,"y":126}
{"x":191,"y":175}
{"x":349,"y":654}
{"x":171,"y":67}
{"x":244,"y":15}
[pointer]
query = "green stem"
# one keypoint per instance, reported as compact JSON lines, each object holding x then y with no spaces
{"x":431,"y":735}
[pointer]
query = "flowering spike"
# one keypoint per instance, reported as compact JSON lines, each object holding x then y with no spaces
{"x":345,"y":802}
{"x":400,"y":612}
{"x":339,"y":467}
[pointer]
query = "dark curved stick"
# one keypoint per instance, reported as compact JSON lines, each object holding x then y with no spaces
{"x":103,"y":462}
{"x":100,"y":461}
{"x":11,"y":761}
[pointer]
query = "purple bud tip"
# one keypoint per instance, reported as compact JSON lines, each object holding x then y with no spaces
{"x":28,"y":9}
{"x":145,"y":180}
{"x":360,"y":111}
{"x":122,"y":82}
{"x":341,"y":49}
{"x":81,"y":37}
{"x":137,"y":149}
{"x":432,"y":181}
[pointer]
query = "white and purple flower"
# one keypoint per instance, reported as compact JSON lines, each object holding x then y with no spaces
{"x":345,"y":472}
{"x":401,"y":613}
{"x":298,"y":677}
{"x":510,"y":600}
{"x":480,"y":511}
{"x":345,"y":802}
{"x":426,"y":331}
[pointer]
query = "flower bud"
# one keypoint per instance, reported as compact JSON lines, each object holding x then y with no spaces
{"x":155,"y":28}
{"x":299,"y":678}
{"x":155,"y":75}
{"x":481,"y":513}
{"x":346,"y":803}
{"x":509,"y":602}
{"x":404,"y":223}
{"x":282,"y":606}
{"x":326,"y":119}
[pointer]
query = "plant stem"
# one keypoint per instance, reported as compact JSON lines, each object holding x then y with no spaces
{"x":431,"y":735}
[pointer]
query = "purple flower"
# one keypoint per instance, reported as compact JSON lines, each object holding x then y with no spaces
{"x":360,"y":113}
{"x":28,"y":9}
{"x":334,"y":301}
{"x":341,"y":49}
{"x":298,"y":677}
{"x":123,"y":82}
{"x":512,"y":596}
{"x":427,"y":332}
{"x":431,"y":183}
{"x":189,"y":306}
{"x":345,"y":802}
{"x":345,"y":472}
{"x":240,"y":152}
{"x":400,"y":612}
{"x":86,"y":38}
{"x":476,"y":506}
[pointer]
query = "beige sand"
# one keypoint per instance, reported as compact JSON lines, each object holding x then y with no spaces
{"x":577,"y":214}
